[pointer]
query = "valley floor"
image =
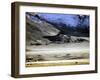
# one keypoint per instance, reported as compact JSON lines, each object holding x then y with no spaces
{"x":57,"y":54}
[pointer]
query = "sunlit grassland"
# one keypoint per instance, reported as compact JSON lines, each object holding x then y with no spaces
{"x":58,"y":63}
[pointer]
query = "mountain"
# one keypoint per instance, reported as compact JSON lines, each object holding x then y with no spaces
{"x":70,"y":24}
{"x":40,"y":31}
{"x":37,"y":28}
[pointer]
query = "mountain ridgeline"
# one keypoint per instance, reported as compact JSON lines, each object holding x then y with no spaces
{"x":41,"y":31}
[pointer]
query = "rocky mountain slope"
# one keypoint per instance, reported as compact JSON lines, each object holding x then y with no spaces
{"x":36,"y":29}
{"x":40,"y":31}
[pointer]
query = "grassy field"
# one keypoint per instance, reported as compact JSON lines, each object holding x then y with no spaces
{"x":58,"y":63}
